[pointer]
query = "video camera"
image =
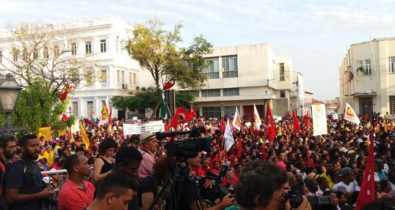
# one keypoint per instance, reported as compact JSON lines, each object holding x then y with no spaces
{"x":185,"y":148}
{"x":216,"y":191}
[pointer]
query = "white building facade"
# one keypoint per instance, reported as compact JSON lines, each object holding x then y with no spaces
{"x":367,"y":77}
{"x":99,"y":44}
{"x":244,"y":75}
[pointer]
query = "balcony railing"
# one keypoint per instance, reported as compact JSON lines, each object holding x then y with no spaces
{"x":230,"y":74}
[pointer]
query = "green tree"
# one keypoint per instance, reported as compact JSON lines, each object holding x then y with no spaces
{"x":38,"y":107}
{"x":157,"y":51}
{"x":184,"y":99}
{"x":141,"y":101}
{"x":42,"y":61}
{"x":149,"y":99}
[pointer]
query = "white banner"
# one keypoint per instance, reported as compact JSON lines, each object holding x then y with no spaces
{"x":319,"y":120}
{"x":228,"y":136}
{"x":154,"y":126}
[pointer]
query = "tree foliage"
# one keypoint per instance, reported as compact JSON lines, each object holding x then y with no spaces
{"x":184,"y":99}
{"x":43,"y":51}
{"x":37,"y":107}
{"x":141,"y":101}
{"x":149,"y":99}
{"x":157,"y":51}
{"x":42,"y":61}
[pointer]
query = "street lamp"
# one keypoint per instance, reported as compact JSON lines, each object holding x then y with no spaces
{"x":9,"y":93}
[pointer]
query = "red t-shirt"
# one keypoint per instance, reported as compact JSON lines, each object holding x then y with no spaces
{"x":72,"y":197}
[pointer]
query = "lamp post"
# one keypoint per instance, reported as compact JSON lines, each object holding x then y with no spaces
{"x":9,"y":93}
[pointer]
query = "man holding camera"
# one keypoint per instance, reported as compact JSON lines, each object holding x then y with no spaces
{"x":264,"y":186}
{"x":189,"y":192}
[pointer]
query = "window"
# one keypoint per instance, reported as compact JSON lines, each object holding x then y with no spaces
{"x":119,"y":77}
{"x":123,"y":77}
{"x":392,"y":64}
{"x":231,"y":91}
{"x":194,"y":93}
{"x":74,"y":48}
{"x":368,"y":66}
{"x":88,"y":47}
{"x":134,"y":79}
{"x":230,"y":110}
{"x":1,"y":57}
{"x":212,"y":70}
{"x":282,"y":94}
{"x":212,"y":112}
{"x":45,"y":52}
{"x":35,"y":54}
{"x":229,"y":64}
{"x":25,"y":54}
{"x":392,"y":104}
{"x":130,"y":78}
{"x":282,"y":72}
{"x":103,"y":47}
{"x":56,"y":51}
{"x":15,"y":53}
{"x":89,"y":76}
{"x":75,"y":109}
{"x":211,"y":93}
{"x":103,"y":76}
{"x":90,"y":108}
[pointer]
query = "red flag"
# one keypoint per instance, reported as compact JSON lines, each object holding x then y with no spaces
{"x":193,"y":113}
{"x":239,"y":146}
{"x":222,"y":125}
{"x":296,"y":126}
{"x":169,"y":84}
{"x":271,"y":126}
{"x":181,"y":116}
{"x":110,"y":118}
{"x":288,"y":115}
{"x":67,"y":89}
{"x":64,"y":117}
{"x":367,"y":192}
{"x":307,"y":120}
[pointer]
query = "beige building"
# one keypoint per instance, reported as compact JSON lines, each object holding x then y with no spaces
{"x":367,"y":77}
{"x":244,"y":75}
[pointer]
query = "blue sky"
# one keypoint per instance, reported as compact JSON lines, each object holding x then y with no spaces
{"x":315,"y":34}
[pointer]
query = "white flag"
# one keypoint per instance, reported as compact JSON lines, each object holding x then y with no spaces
{"x":350,"y":115}
{"x":228,"y":136}
{"x":236,"y":120}
{"x":257,"y":119}
{"x":319,"y":120}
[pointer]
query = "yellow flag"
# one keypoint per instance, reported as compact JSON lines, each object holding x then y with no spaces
{"x":46,"y":132}
{"x":62,"y":132}
{"x":84,"y":137}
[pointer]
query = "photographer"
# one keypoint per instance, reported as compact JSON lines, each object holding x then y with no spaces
{"x":189,"y":196}
{"x":264,"y":186}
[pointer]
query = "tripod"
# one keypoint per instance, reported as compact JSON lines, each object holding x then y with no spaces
{"x":174,"y":186}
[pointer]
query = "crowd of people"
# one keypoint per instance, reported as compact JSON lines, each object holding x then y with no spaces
{"x":189,"y":168}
